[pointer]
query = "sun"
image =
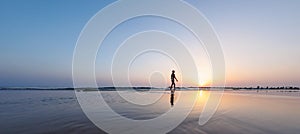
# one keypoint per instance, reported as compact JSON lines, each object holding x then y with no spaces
{"x":201,"y":83}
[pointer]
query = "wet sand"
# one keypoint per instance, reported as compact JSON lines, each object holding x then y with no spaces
{"x":238,"y":112}
{"x":247,"y":112}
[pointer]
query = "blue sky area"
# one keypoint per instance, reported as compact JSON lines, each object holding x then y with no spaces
{"x":260,"y":40}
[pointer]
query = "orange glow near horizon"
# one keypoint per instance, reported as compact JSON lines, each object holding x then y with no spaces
{"x":204,"y":83}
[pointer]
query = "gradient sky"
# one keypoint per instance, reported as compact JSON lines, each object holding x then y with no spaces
{"x":260,"y":40}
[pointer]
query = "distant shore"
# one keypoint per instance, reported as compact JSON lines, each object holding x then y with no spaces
{"x":154,"y":88}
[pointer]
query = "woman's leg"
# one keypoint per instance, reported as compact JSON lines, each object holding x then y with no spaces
{"x":174,"y":86}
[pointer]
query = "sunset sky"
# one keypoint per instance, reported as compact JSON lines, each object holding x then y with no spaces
{"x":259,"y":38}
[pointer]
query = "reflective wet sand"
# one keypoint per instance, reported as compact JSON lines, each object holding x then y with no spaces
{"x":238,"y":112}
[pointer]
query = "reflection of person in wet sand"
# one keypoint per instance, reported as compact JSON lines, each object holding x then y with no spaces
{"x":173,"y":77}
{"x":172,"y":99}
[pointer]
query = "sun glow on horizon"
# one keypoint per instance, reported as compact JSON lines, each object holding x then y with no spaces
{"x":203,"y":83}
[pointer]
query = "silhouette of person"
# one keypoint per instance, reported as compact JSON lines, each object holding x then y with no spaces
{"x":173,"y":77}
{"x":172,"y":99}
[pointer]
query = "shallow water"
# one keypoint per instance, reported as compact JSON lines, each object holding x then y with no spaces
{"x":249,"y":113}
{"x":29,"y":111}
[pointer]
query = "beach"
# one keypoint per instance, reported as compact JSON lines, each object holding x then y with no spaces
{"x":47,"y":111}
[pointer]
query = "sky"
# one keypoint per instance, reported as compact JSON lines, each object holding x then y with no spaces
{"x":259,"y":39}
